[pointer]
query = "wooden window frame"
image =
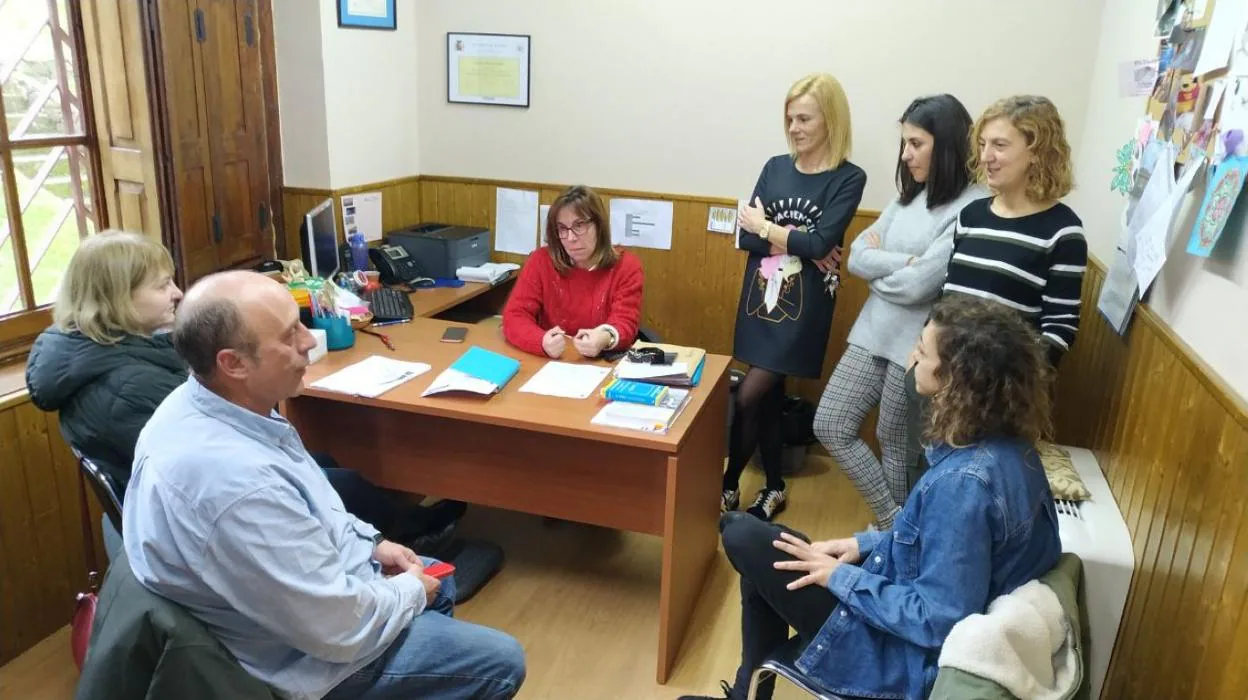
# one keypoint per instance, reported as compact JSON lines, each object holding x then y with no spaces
{"x":18,"y":330}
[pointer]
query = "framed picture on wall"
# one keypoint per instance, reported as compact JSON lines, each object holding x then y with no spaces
{"x":366,"y":14}
{"x":488,"y":69}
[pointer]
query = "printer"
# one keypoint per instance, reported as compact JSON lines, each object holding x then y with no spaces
{"x":440,"y":249}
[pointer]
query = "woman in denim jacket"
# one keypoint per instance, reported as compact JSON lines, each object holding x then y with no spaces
{"x":874,"y":609}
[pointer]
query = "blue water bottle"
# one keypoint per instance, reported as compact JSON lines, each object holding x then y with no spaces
{"x":359,"y":251}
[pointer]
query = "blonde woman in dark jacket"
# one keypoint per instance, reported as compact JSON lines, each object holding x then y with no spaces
{"x":107,"y":363}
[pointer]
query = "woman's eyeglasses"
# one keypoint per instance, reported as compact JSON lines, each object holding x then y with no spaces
{"x":578,"y":229}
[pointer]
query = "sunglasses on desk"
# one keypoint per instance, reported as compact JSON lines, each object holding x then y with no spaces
{"x":651,"y":356}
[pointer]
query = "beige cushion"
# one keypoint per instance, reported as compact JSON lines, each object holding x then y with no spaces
{"x":1064,"y":481}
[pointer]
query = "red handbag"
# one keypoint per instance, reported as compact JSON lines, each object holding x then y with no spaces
{"x":82,"y":622}
{"x":85,"y":603}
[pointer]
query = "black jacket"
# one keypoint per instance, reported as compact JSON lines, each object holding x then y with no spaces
{"x":105,"y":393}
{"x":144,"y":646}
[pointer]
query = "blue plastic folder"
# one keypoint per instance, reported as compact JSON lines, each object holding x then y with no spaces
{"x":492,"y":367}
{"x":478,"y":371}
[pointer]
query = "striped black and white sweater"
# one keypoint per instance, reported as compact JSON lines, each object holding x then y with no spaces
{"x":1032,"y":263}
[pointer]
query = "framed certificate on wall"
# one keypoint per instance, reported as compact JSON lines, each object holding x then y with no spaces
{"x":366,"y":14}
{"x":488,"y":69}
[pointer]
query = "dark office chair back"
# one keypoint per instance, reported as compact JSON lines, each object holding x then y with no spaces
{"x":103,"y":487}
{"x":83,"y":620}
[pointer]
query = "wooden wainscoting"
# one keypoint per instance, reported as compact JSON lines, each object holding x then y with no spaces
{"x":1173,"y":442}
{"x":41,"y":543}
{"x":400,"y":206}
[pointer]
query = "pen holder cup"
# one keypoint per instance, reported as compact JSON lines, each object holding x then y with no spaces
{"x":338,"y":332}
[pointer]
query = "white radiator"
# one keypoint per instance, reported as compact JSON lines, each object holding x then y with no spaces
{"x":1096,"y":532}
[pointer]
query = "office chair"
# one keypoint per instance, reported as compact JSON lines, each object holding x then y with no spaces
{"x":783,"y":663}
{"x":648,"y":335}
{"x":103,"y":487}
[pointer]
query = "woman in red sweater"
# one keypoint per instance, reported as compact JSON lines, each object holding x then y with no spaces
{"x":579,"y":286}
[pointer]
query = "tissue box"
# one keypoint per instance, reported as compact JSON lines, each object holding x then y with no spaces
{"x":322,"y":345}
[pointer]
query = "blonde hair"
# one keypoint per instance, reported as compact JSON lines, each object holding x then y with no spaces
{"x":1050,"y":176}
{"x":95,"y":297}
{"x":586,"y":203}
{"x":834,"y":106}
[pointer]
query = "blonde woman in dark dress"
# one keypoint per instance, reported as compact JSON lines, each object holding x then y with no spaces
{"x":795,"y":219}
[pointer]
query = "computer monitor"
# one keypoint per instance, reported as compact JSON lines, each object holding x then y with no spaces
{"x":318,"y":238}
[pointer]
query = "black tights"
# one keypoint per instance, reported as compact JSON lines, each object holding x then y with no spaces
{"x":756,"y":426}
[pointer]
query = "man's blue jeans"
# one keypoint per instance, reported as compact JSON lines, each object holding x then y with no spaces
{"x":440,"y":658}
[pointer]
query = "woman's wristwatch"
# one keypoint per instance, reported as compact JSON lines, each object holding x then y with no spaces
{"x":765,"y":232}
{"x":615,"y":339}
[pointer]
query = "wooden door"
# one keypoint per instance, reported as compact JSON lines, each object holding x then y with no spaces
{"x":182,"y":31}
{"x":236,"y":118}
{"x":113,"y":30}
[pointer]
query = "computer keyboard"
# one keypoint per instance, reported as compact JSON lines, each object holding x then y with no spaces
{"x":389,"y":305}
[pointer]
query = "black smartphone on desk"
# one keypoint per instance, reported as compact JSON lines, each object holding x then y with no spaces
{"x":455,"y":334}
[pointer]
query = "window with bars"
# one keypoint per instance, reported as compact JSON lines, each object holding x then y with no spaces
{"x":48,"y":199}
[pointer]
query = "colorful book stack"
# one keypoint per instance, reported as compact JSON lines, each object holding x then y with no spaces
{"x":641,"y":406}
{"x":685,"y":370}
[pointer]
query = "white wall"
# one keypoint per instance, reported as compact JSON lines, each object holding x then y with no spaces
{"x":301,"y":93}
{"x":1204,"y":301}
{"x":347,"y":97}
{"x":371,"y":98}
{"x":687,"y":96}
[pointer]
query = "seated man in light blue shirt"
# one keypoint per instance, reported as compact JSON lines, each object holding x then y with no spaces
{"x":227,"y":515}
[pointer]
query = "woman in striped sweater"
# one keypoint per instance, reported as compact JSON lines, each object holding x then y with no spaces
{"x":1020,"y":247}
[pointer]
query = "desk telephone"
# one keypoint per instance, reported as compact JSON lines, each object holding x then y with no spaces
{"x":397,"y":266}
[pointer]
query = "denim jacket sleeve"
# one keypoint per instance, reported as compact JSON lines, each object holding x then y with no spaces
{"x":954,"y":566}
{"x":869,"y":540}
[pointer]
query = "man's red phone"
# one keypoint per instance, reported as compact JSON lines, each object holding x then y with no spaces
{"x":439,"y":570}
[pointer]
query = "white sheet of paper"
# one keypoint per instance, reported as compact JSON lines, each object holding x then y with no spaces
{"x":641,"y":223}
{"x":566,"y":380}
{"x":1224,"y":31}
{"x":1136,"y":78}
{"x":362,"y":212}
{"x":543,"y":213}
{"x":642,"y":370}
{"x":1216,"y":88}
{"x":367,"y":8}
{"x":1118,"y":296}
{"x":1160,"y":183}
{"x":371,"y":377}
{"x":515,"y":219}
{"x":1153,"y":239}
{"x":722,"y":220}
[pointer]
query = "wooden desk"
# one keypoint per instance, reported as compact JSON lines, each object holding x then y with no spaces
{"x":427,"y":303}
{"x":536,"y":454}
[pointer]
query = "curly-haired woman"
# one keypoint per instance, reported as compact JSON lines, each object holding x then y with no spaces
{"x":1022,"y":247}
{"x":874,"y":609}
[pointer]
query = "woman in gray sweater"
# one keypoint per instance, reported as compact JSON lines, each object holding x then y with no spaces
{"x":903,"y":257}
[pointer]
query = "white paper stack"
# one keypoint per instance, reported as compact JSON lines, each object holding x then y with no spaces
{"x":489,"y":273}
{"x":647,"y":419}
{"x":566,"y":380}
{"x":371,"y":377}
